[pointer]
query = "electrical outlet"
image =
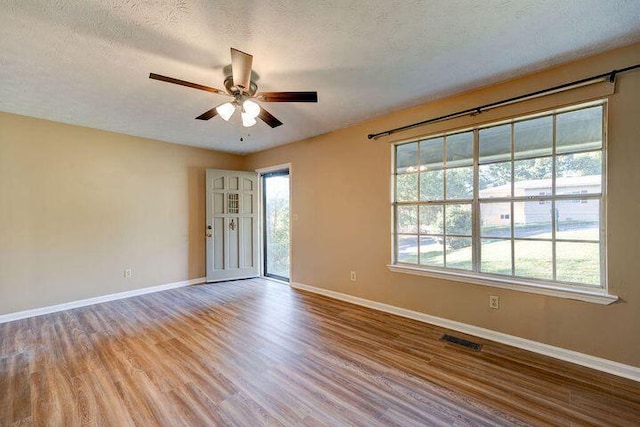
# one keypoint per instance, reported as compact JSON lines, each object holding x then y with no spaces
{"x":494,"y":302}
{"x":127,"y":273}
{"x":353,"y":276}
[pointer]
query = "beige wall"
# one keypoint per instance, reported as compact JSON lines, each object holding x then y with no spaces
{"x":78,"y":206}
{"x":341,"y":197}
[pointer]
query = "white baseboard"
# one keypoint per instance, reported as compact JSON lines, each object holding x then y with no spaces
{"x":600,"y":364}
{"x":96,"y":300}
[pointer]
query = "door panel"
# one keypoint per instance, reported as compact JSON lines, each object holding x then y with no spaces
{"x":218,"y":183}
{"x":218,"y":203}
{"x":232,"y":218}
{"x":233,"y":243}
{"x":218,"y":244}
{"x":248,"y":184}
{"x":247,"y":243}
{"x":247,"y":202}
{"x":233,"y":182}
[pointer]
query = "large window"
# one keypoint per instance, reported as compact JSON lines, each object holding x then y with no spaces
{"x":522,"y":199}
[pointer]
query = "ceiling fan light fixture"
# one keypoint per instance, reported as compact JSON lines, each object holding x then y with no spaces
{"x":247,"y":120}
{"x":242,"y":92}
{"x":251,"y":108}
{"x":226,"y":110}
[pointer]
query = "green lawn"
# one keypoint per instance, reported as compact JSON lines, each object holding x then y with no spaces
{"x":576,"y":262}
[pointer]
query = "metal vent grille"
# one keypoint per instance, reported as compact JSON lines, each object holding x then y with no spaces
{"x":461,"y":342}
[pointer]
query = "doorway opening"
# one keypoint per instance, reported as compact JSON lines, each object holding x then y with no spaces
{"x":275,"y":226}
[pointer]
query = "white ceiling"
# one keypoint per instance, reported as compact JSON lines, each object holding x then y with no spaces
{"x":87,"y":62}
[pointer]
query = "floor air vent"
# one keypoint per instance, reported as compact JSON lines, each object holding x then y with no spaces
{"x":459,"y":341}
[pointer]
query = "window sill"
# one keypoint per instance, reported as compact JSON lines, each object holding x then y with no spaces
{"x":597,"y":297}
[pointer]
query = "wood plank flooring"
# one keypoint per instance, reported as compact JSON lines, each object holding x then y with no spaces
{"x":256,"y":352}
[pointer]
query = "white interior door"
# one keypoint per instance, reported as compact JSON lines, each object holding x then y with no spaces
{"x":232,"y":225}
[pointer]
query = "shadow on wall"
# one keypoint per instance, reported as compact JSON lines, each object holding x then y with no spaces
{"x":196,"y":201}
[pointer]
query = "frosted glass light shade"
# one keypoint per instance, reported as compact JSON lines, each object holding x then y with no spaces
{"x":247,"y":120}
{"x":225,"y":110}
{"x":251,"y":108}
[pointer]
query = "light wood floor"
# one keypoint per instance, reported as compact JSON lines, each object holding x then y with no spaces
{"x":255,"y":352}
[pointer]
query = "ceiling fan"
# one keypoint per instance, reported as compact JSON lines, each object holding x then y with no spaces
{"x":243,"y":92}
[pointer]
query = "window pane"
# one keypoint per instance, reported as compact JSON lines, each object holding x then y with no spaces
{"x":459,"y":254}
{"x":579,"y":130}
{"x":460,"y":183}
{"x":532,"y":219}
{"x":533,"y":137}
{"x":408,"y":219}
{"x":531,"y":173}
{"x":432,"y":154}
{"x":432,"y":185}
{"x":407,"y":249}
{"x":458,"y":219}
{"x":276,"y":225}
{"x":495,"y":180}
{"x":495,"y":219}
{"x":431,"y":219}
{"x":533,"y":177}
{"x":578,"y":219}
{"x":533,"y":259}
{"x":495,"y":143}
{"x":495,"y":256}
{"x":460,"y":149}
{"x":432,"y":251}
{"x":407,"y":157}
{"x":578,"y":262}
{"x":579,"y":173}
{"x":407,"y":187}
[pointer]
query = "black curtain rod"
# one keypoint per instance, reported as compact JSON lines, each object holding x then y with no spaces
{"x":477,"y":110}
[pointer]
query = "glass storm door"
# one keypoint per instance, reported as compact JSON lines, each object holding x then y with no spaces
{"x":275,"y":193}
{"x":232,"y":225}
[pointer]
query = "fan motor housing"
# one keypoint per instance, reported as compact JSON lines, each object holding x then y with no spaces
{"x":234,"y":90}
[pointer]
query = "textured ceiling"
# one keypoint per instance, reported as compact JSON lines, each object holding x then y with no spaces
{"x":87,"y":62}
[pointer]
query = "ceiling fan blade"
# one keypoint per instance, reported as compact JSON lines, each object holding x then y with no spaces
{"x":208,"y":114}
{"x":241,"y":64}
{"x":268,"y":118}
{"x":185,"y":83}
{"x":288,"y":96}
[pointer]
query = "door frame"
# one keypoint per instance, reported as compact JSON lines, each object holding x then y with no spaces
{"x":261,"y":172}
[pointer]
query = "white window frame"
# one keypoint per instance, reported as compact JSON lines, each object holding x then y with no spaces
{"x":595,"y":294}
